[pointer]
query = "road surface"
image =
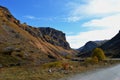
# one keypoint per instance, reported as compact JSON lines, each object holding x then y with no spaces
{"x":112,"y":73}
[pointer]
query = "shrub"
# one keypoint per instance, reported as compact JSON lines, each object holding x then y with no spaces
{"x":99,"y":53}
{"x":94,"y":60}
{"x":68,"y":56}
{"x":56,"y":64}
{"x":66,"y":66}
{"x":88,"y":60}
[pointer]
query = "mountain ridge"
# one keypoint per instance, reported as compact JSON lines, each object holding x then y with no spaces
{"x":111,"y":48}
{"x":86,"y":50}
{"x":27,"y":44}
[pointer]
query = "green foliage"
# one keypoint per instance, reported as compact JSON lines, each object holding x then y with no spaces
{"x":99,"y":53}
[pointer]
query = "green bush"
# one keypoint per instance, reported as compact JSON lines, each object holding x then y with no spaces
{"x":99,"y":53}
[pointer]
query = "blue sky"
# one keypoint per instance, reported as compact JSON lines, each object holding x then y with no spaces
{"x":81,"y":20}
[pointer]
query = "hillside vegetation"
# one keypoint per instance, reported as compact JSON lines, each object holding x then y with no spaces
{"x":21,"y":44}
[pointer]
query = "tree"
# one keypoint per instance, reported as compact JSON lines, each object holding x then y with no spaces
{"x":99,"y":53}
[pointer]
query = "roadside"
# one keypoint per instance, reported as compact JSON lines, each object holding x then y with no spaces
{"x":50,"y":71}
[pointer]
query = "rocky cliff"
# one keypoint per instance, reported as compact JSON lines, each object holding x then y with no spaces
{"x":54,"y":37}
{"x":21,"y":43}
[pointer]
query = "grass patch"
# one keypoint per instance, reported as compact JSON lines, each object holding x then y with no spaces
{"x":57,"y":64}
{"x":41,"y":73}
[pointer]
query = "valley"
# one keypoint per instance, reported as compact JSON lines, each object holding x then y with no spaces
{"x":43,"y":53}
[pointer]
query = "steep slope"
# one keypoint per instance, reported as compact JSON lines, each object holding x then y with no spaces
{"x":89,"y":46}
{"x":54,"y":37}
{"x":24,"y":44}
{"x":112,"y":47}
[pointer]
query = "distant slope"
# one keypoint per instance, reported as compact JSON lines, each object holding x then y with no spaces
{"x":112,"y":47}
{"x":24,"y":44}
{"x":85,"y":51}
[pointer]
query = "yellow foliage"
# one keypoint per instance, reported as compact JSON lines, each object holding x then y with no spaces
{"x":99,"y":53}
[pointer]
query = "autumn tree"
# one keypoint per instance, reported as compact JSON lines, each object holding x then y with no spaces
{"x":99,"y":53}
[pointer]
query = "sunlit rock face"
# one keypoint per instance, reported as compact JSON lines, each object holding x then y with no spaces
{"x":54,"y":37}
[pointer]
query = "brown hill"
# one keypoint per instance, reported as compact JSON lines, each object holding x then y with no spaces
{"x":24,"y":44}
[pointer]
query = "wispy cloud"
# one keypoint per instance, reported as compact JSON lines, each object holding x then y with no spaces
{"x":72,"y":19}
{"x":102,"y":7}
{"x":94,"y":7}
{"x":70,"y":33}
{"x":39,"y":18}
{"x":31,"y":17}
{"x":103,"y":20}
{"x":80,"y":39}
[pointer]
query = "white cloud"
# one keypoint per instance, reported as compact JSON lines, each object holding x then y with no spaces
{"x":39,"y":18}
{"x":102,"y":6}
{"x":69,"y":33}
{"x":80,"y":39}
{"x":109,"y":25}
{"x":72,"y":19}
{"x":105,"y":22}
{"x":31,"y":17}
{"x":95,"y":7}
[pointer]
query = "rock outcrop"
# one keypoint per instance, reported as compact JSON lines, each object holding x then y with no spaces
{"x":54,"y":37}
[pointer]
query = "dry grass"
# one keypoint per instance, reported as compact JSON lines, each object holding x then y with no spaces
{"x":42,"y":72}
{"x":35,"y":73}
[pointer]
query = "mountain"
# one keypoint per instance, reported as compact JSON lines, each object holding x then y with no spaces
{"x":54,"y":37}
{"x":85,"y":51}
{"x":24,"y":44}
{"x":112,"y":47}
